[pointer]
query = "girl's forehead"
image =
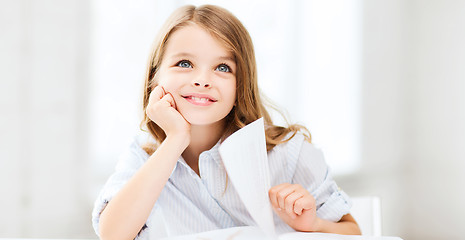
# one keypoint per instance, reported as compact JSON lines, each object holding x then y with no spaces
{"x":193,"y":38}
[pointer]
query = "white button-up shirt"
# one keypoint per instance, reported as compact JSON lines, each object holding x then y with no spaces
{"x":190,"y":203}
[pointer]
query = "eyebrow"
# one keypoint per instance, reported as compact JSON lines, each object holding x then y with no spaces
{"x":184,"y":54}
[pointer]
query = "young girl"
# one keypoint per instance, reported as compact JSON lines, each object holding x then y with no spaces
{"x":200,"y":87}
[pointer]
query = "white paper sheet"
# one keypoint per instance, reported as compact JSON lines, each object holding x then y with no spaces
{"x":246,"y":162}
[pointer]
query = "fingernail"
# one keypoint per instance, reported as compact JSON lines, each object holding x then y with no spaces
{"x":279,"y":209}
{"x":293,"y":216}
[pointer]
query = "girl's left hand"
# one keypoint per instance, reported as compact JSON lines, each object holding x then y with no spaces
{"x":295,"y":206}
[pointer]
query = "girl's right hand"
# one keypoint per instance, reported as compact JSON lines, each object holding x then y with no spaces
{"x":162,"y":110}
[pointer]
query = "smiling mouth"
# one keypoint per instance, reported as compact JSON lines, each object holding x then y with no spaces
{"x":200,"y":99}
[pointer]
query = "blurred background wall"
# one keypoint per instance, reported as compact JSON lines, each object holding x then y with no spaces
{"x":409,"y":107}
{"x":44,"y":49}
{"x":413,"y":114}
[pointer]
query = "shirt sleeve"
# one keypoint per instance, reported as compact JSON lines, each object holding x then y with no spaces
{"x":312,"y":172}
{"x":128,"y":164}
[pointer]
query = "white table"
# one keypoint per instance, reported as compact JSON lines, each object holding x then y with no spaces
{"x":254,"y":233}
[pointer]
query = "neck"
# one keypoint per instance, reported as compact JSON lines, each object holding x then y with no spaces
{"x":203,"y":137}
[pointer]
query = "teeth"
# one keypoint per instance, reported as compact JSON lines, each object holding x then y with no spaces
{"x":200,"y":99}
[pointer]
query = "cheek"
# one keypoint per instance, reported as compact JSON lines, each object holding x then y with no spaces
{"x":231,"y":93}
{"x":168,"y":82}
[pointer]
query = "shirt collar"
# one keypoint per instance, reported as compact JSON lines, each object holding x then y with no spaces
{"x":213,"y":153}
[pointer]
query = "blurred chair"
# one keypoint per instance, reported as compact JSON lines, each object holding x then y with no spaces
{"x":367,"y":213}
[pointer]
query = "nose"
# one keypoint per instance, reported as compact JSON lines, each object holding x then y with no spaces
{"x":202,"y":80}
{"x":197,"y":84}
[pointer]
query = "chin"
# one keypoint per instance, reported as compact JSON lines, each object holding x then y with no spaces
{"x":197,"y":121}
{"x":202,"y":119}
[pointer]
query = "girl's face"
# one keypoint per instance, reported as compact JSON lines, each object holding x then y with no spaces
{"x":200,"y":74}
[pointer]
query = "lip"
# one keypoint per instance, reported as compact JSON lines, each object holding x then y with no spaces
{"x":199,"y":99}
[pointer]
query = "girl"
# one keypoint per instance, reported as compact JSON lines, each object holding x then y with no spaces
{"x":200,"y":87}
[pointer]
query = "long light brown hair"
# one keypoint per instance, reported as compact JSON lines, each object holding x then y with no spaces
{"x":232,"y":34}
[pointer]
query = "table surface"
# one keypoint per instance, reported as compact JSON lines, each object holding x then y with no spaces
{"x":249,"y":233}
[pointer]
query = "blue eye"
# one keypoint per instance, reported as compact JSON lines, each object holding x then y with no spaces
{"x":223,"y":68}
{"x":184,"y":64}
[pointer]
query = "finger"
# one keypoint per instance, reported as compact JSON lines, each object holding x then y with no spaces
{"x":283,"y":193}
{"x":273,"y":194}
{"x":157,"y":93}
{"x":172,"y":101}
{"x":273,"y":199}
{"x":289,"y":203}
{"x":155,"y":96}
{"x":168,"y":99}
{"x":164,"y":91}
{"x":301,"y":204}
